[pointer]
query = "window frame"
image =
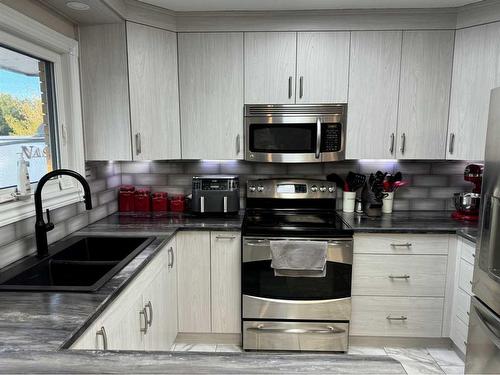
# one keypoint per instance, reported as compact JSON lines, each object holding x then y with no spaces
{"x":26,"y":35}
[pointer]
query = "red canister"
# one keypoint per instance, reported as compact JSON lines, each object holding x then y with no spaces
{"x":160,"y":201}
{"x":126,"y":198}
{"x":178,"y":203}
{"x":142,"y":200}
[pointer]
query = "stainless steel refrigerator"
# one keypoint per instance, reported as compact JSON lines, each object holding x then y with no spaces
{"x":483,"y":342}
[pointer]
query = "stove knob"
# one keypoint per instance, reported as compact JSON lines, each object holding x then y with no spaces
{"x":260,"y":188}
{"x":252,"y":188}
{"x":322,"y":189}
{"x":331,"y":189}
{"x":314,"y":188}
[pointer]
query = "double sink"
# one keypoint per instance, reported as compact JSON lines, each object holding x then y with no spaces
{"x":77,"y":264}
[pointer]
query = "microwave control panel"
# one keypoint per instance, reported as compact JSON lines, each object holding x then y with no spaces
{"x":331,"y":137}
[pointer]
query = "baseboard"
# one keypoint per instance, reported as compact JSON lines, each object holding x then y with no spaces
{"x":208,"y":338}
{"x":402,"y":342}
{"x":458,"y":351}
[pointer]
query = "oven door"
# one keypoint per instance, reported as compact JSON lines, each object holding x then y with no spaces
{"x":266,"y":296}
{"x":294,"y":139}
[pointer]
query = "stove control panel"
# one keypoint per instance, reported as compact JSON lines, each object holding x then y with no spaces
{"x":291,"y":189}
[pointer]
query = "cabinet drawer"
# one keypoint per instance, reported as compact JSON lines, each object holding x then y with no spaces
{"x":399,"y":275}
{"x":465,"y":276}
{"x":401,"y":243}
{"x":462,"y":305}
{"x":467,"y":251}
{"x":417,"y":317}
{"x":458,"y":333}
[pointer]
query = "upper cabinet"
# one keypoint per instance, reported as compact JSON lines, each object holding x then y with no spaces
{"x":154,"y":97}
{"x":305,"y":67}
{"x":211,"y":95}
{"x":105,"y":100}
{"x":373,"y":94}
{"x":270,"y":67}
{"x":322,"y":67}
{"x":129,"y":92}
{"x":424,"y":94}
{"x":475,"y":73}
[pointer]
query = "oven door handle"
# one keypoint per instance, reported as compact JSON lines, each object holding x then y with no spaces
{"x":328,"y":330}
{"x":318,"y":138}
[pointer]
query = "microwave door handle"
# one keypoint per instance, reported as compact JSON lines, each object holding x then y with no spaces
{"x":318,"y":137}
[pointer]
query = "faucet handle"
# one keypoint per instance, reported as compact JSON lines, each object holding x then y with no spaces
{"x":48,"y":226}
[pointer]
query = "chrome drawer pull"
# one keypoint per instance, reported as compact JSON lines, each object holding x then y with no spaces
{"x":225,"y":237}
{"x":171,"y":258}
{"x":102,"y":332}
{"x":402,"y":317}
{"x":406,"y":277}
{"x":401,"y":244}
{"x":149,"y":305}
{"x":329,"y":330}
{"x":143,"y":313}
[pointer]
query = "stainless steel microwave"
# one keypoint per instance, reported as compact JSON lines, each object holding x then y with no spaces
{"x":295,"y":133}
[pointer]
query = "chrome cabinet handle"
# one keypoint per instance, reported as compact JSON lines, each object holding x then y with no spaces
{"x":290,"y":87}
{"x":406,"y":277}
{"x":401,"y":244}
{"x":225,"y":237}
{"x":391,"y":147}
{"x":301,"y":87}
{"x":318,"y":137}
{"x":238,"y":146}
{"x":102,"y":332}
{"x":403,"y":143}
{"x":144,"y":314}
{"x":328,"y":330}
{"x":452,"y":143}
{"x":138,"y":145}
{"x":149,"y":305}
{"x":171,"y":258}
{"x":402,"y":317}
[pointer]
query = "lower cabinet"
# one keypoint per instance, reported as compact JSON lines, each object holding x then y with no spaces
{"x":462,"y":293}
{"x":144,"y":315}
{"x":209,"y":281}
{"x":399,"y":284}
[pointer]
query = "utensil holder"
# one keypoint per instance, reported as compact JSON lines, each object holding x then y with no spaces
{"x":348,"y":201}
{"x":388,"y":202}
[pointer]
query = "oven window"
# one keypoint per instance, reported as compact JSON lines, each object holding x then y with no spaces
{"x":259,"y":281}
{"x":283,"y":138}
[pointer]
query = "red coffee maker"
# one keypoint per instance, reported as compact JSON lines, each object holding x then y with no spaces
{"x":467,"y":204}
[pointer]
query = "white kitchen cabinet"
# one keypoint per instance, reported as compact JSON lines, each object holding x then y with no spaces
{"x":171,"y":295}
{"x":105,"y":99}
{"x":270,"y":67}
{"x":211,"y":95}
{"x":373,"y":94}
{"x":226,"y":281}
{"x":424,"y":92}
{"x":154,"y":96}
{"x":193,"y":277}
{"x":475,"y":73}
{"x":322,"y":67}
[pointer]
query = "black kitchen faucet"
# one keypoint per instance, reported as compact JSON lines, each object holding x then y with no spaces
{"x":41,"y":228}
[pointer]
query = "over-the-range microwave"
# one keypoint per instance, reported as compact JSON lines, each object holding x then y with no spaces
{"x":295,"y":133}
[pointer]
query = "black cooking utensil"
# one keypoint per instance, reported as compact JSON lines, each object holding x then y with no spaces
{"x":355,"y":180}
{"x":333,"y":177}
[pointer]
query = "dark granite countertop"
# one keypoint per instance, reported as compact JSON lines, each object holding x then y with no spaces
{"x":410,"y":222}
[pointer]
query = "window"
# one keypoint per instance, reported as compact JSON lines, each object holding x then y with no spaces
{"x":27,"y":116}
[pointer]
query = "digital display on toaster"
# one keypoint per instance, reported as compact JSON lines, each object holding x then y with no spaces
{"x":214,"y":185}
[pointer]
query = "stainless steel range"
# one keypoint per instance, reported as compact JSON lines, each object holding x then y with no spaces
{"x":299,"y":308}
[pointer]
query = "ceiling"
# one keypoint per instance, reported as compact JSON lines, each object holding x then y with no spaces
{"x":256,"y":5}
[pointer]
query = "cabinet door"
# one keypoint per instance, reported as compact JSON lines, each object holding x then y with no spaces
{"x":211,"y":95}
{"x":322,"y":67}
{"x":270,"y":67}
{"x":105,"y":99}
{"x":171,"y":292}
{"x":154,"y":96}
{"x":424,"y":93}
{"x":373,"y":94}
{"x":193,"y":278}
{"x":226,"y":281}
{"x":156,"y":302}
{"x":474,"y":75}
